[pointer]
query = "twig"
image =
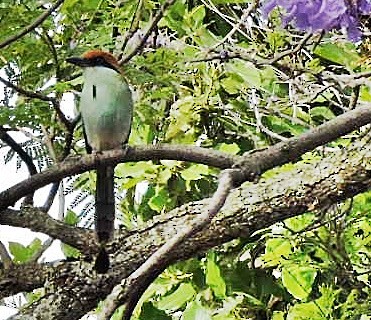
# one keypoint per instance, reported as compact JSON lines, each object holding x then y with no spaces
{"x":36,"y":95}
{"x":132,"y":29}
{"x":6,"y":259}
{"x":288,"y":52}
{"x":259,"y":123}
{"x":49,"y":144}
{"x":49,"y":200}
{"x":27,"y":93}
{"x":25,"y":157}
{"x":31,"y":26}
{"x":225,"y":55}
{"x":231,"y":21}
{"x":237,"y":26}
{"x":153,"y":25}
{"x":49,"y":42}
{"x":132,"y":288}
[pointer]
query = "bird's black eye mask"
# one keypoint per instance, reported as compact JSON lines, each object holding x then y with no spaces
{"x":99,"y":61}
{"x":92,"y":62}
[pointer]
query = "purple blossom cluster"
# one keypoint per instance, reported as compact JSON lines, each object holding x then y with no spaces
{"x":316,"y":15}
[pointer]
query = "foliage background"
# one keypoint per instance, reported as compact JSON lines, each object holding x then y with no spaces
{"x":211,"y":73}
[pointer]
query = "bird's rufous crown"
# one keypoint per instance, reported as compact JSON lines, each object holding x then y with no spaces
{"x":93,"y":54}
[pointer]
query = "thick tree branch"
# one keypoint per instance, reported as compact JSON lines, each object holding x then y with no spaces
{"x":132,"y":288}
{"x":31,"y":26}
{"x":141,"y":153}
{"x":293,"y":148}
{"x":353,"y":174}
{"x":39,"y":221}
{"x":5,"y":257}
{"x":21,"y":278}
{"x":249,"y":208}
{"x":251,"y":165}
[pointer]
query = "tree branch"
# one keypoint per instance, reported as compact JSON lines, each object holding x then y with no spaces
{"x":140,"y":153}
{"x":24,"y":277}
{"x":37,"y":95}
{"x":39,"y":221}
{"x":132,"y":288}
{"x":250,"y":164}
{"x":31,"y":26}
{"x":25,"y":157}
{"x":250,"y":167}
{"x":249,"y":208}
{"x":153,"y":25}
{"x":6,"y":259}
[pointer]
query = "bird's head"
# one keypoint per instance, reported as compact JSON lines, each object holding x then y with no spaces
{"x":95,"y":58}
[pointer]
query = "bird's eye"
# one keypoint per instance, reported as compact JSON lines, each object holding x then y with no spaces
{"x":99,"y":60}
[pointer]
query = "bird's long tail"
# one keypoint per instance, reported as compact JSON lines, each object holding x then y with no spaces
{"x":104,"y":214}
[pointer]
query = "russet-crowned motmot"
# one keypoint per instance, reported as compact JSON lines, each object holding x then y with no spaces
{"x":107,"y":109}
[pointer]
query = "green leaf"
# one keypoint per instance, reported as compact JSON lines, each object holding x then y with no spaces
{"x":71,"y":218}
{"x":246,"y":71}
{"x":229,"y":305}
{"x":278,"y":315}
{"x":305,"y":311}
{"x":253,"y":301}
{"x":159,"y":200}
{"x":339,"y":52}
{"x":178,"y":298}
{"x":319,"y":309}
{"x":164,"y":176}
{"x":232,"y":148}
{"x":197,"y":15}
{"x":195,"y":311}
{"x":279,"y":125}
{"x":214,"y":278}
{"x":233,"y":84}
{"x":195,"y":172}
{"x":276,"y":250}
{"x":298,"y":223}
{"x":298,"y":280}
{"x":149,"y":311}
{"x":323,"y":113}
{"x":70,"y":252}
{"x":23,"y":253}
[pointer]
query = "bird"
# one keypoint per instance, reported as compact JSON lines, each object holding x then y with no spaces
{"x":106,"y":107}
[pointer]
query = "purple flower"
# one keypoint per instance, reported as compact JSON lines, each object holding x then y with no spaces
{"x":364,"y":6}
{"x":317,"y":15}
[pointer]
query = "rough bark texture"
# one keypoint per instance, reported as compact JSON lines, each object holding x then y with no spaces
{"x":74,"y":288}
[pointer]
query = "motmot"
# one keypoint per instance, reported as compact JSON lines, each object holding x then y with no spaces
{"x":106,"y":108}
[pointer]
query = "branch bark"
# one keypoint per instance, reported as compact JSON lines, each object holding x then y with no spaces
{"x":31,"y":26}
{"x":39,"y":221}
{"x":251,"y":165}
{"x":248,"y":208}
{"x":322,"y":191}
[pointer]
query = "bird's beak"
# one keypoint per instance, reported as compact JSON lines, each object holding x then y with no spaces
{"x":81,"y":62}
